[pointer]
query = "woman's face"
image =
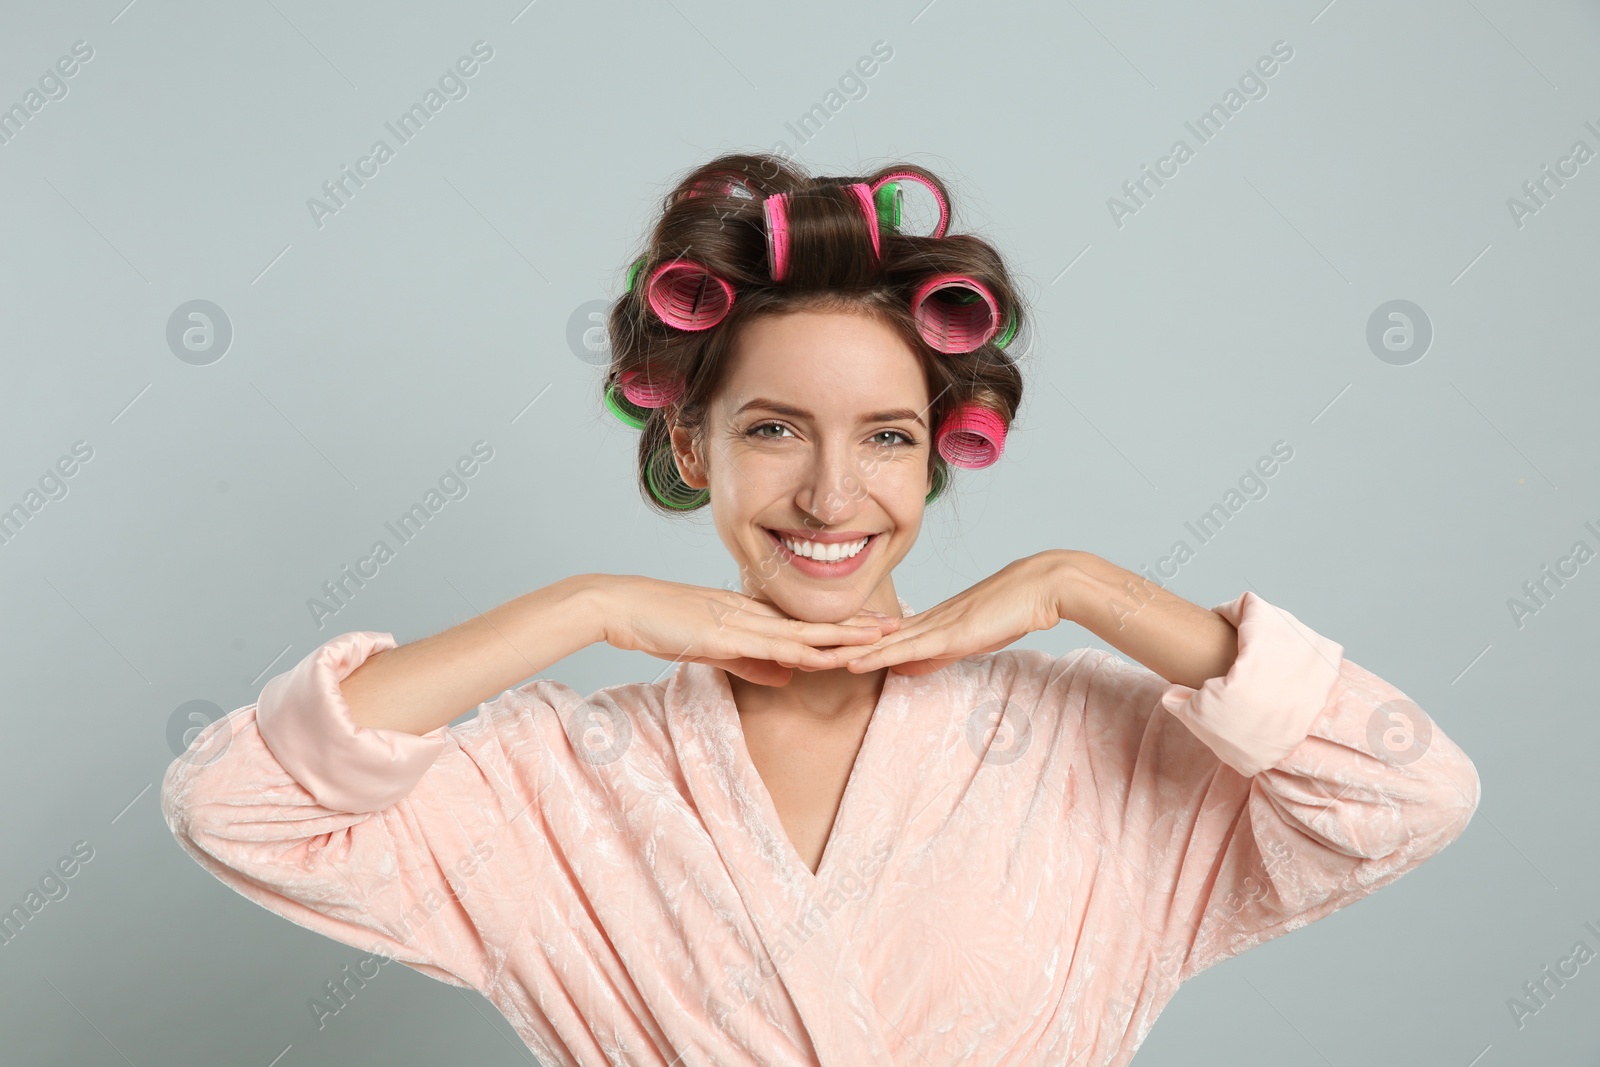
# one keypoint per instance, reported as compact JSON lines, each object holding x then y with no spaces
{"x":819,"y":436}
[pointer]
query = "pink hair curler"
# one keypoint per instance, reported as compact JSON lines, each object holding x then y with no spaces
{"x":723,"y":183}
{"x":688,"y":296}
{"x":646,"y":392}
{"x":973,"y":436}
{"x":776,"y":208}
{"x":863,"y":194}
{"x":894,"y":212}
{"x":955,"y":313}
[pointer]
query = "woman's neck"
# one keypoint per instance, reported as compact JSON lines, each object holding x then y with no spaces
{"x":820,"y":698}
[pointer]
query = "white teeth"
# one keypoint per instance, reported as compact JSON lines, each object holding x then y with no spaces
{"x":825,"y":553}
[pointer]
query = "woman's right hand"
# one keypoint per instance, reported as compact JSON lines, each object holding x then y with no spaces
{"x":744,"y":636}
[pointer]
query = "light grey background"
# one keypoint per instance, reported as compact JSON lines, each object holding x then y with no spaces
{"x":1228,"y":313}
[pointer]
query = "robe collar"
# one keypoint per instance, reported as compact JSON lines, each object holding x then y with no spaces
{"x":802,"y":918}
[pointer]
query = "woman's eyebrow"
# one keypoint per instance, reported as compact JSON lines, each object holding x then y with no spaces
{"x":891,"y":415}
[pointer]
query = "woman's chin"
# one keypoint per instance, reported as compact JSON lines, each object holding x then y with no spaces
{"x":818,"y":606}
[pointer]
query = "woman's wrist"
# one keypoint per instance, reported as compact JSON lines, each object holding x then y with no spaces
{"x":1181,"y":641}
{"x":1069,"y":578}
{"x":591,"y":598}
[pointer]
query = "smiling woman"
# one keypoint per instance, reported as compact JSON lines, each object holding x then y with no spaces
{"x":837,"y":831}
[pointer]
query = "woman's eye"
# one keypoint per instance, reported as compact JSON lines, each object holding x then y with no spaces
{"x":760,"y":430}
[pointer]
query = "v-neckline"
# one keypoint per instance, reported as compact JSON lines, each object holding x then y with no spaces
{"x":729,"y":710}
{"x":741,"y":817}
{"x":806,"y":947}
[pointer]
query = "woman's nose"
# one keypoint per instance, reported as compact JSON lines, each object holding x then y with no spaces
{"x":835,"y":485}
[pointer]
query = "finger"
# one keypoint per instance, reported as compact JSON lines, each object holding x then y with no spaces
{"x":731,"y":644}
{"x":874,"y":625}
{"x":770,"y":676}
{"x":767,"y":609}
{"x":859,"y":621}
{"x":817,"y":634}
{"x":941,"y":649}
{"x":770,"y":610}
{"x":915,"y":667}
{"x":793,"y":653}
{"x":853,"y":647}
{"x":759,"y":671}
{"x":788,"y":661}
{"x":898,"y":649}
{"x":914,"y":633}
{"x":777,"y":620}
{"x":772,"y":640}
{"x":896,"y":625}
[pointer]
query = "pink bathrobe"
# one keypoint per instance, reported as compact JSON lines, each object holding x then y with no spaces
{"x":1032,"y":852}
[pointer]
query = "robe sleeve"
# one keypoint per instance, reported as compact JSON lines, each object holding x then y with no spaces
{"x":1286,"y":789}
{"x":399,"y":844}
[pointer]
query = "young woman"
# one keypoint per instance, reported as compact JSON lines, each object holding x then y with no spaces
{"x":834,"y":831}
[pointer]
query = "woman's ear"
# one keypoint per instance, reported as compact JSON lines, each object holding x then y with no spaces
{"x":691,"y":468}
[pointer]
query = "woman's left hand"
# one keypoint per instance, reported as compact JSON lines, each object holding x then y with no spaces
{"x":1021,"y":597}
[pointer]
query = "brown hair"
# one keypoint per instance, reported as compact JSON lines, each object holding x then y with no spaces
{"x":714,"y":217}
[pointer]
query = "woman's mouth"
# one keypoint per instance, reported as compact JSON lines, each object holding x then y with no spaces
{"x":823,"y":560}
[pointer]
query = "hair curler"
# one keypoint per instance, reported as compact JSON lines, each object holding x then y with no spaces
{"x":666,"y":484}
{"x":863,"y":196}
{"x":688,"y":296}
{"x":628,"y":413}
{"x":776,"y":210}
{"x":972,"y":436}
{"x":1009,"y":334}
{"x":940,"y":478}
{"x":641,"y":390}
{"x":955,"y":313}
{"x":720,"y":183}
{"x":887,"y":195}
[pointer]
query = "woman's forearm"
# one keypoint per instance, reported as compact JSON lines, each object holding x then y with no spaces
{"x":1180,"y":641}
{"x":428,"y":683}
